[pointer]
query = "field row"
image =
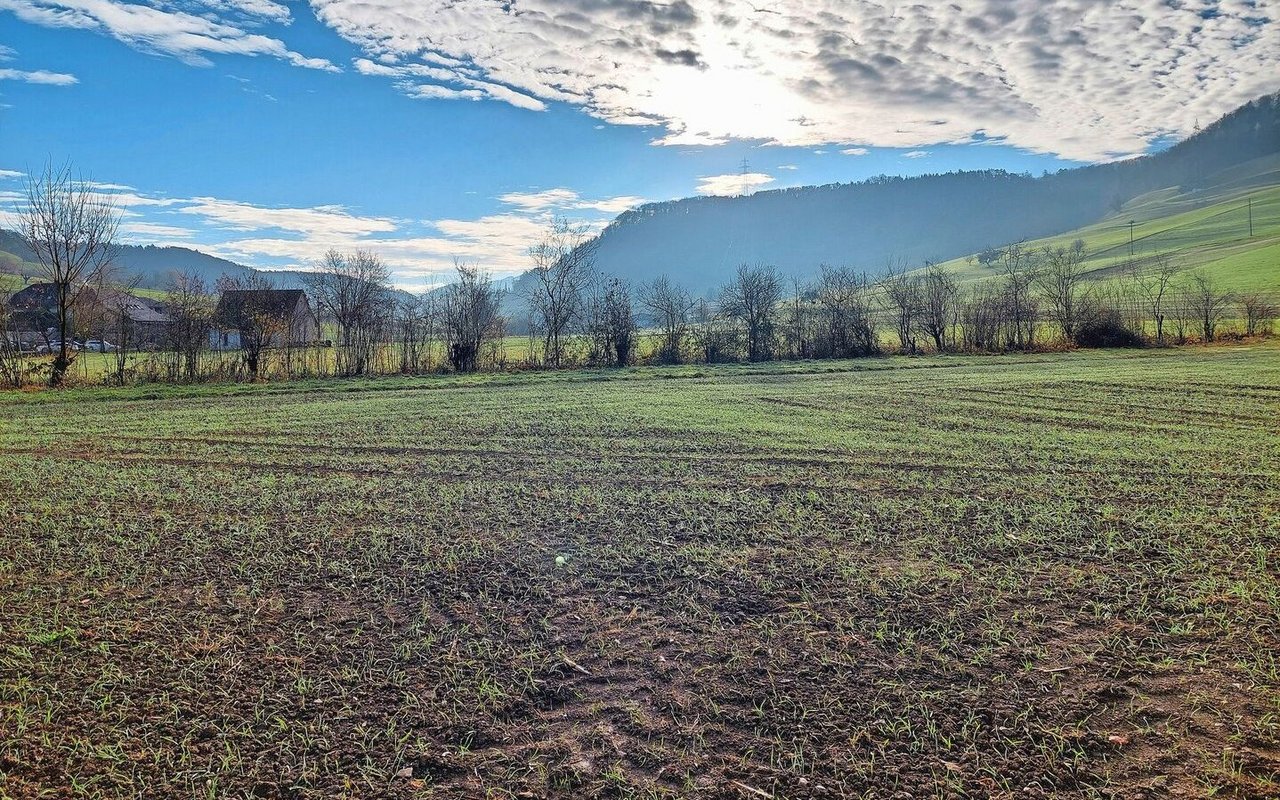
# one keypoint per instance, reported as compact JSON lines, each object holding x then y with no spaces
{"x":1003,"y":576}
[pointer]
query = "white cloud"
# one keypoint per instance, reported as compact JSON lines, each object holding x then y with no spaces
{"x":260,"y":9}
{"x":125,"y":198}
{"x":788,"y":166}
{"x":854,"y":151}
{"x":1079,"y":78}
{"x":11,"y":174}
{"x":472,"y":88}
{"x":433,"y":92}
{"x":510,"y":96}
{"x":916,"y":154}
{"x":499,"y":243}
{"x":612,"y":205}
{"x":563,"y":199}
{"x":539,"y":201}
{"x":151,"y":232}
{"x":313,"y":221}
{"x":39,"y":76}
{"x":189,"y":31}
{"x":734,"y":183}
{"x":322,"y":64}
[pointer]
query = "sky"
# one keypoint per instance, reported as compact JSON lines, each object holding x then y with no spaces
{"x":267,"y":132}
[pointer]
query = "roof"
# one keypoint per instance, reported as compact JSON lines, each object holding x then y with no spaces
{"x":278,"y":303}
{"x":35,"y":296}
{"x":135,"y":308}
{"x":43,"y":297}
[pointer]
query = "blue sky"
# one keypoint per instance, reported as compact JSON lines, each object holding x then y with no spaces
{"x":267,"y":132}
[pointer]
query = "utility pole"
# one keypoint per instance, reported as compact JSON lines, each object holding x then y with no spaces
{"x":1131,"y":224}
{"x":745,"y":166}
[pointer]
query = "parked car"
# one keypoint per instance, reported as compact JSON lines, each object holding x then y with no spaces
{"x":55,"y":346}
{"x":99,"y":346}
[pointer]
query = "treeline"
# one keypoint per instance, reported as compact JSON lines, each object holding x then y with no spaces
{"x":351,"y":322}
{"x":576,"y":317}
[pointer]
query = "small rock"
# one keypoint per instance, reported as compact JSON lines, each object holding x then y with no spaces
{"x":407,"y":772}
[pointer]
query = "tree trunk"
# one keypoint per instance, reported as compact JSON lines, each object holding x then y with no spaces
{"x":62,"y":361}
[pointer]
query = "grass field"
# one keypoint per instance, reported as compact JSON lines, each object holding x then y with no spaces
{"x":1206,"y":230}
{"x":1014,"y":576}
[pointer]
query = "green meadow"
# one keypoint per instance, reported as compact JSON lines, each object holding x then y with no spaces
{"x":1205,"y":230}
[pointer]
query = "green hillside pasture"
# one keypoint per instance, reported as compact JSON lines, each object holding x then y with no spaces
{"x":1213,"y":238}
{"x":1041,"y":576}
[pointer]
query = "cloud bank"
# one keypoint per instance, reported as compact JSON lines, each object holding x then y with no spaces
{"x":421,"y":253}
{"x":190,"y":30}
{"x":1078,"y":78}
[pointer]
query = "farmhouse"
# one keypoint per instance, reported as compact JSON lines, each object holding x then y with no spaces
{"x":140,"y":321}
{"x":96,"y":313}
{"x":34,"y":308}
{"x":281,"y":317}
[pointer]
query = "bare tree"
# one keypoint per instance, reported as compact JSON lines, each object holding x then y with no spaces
{"x":848,"y":327}
{"x":798,"y":323}
{"x":1060,"y":280}
{"x":903,"y":298}
{"x":1154,"y":287}
{"x":353,"y":290}
{"x":669,"y":306}
{"x":710,"y":331}
{"x":981,"y":318}
{"x":1020,"y":312}
{"x":939,"y":294}
{"x":752,"y":299}
{"x":1182,"y":314}
{"x":1208,"y":303}
{"x":562,"y":271}
{"x":71,"y":230}
{"x":27,"y":271}
{"x":470,"y":315}
{"x":413,"y":323}
{"x":612,"y":323}
{"x":1259,"y":314}
{"x":190,"y":309}
{"x":11,"y":349}
{"x":256,"y":322}
{"x":119,"y":304}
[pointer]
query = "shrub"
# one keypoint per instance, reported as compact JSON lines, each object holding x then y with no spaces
{"x":1107,"y":329}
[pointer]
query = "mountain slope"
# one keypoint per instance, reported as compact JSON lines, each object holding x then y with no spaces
{"x":1230,"y":232}
{"x":700,"y":241}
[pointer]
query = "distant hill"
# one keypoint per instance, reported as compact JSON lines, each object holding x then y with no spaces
{"x":1230,"y":232}
{"x":700,"y":241}
{"x":154,"y":265}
